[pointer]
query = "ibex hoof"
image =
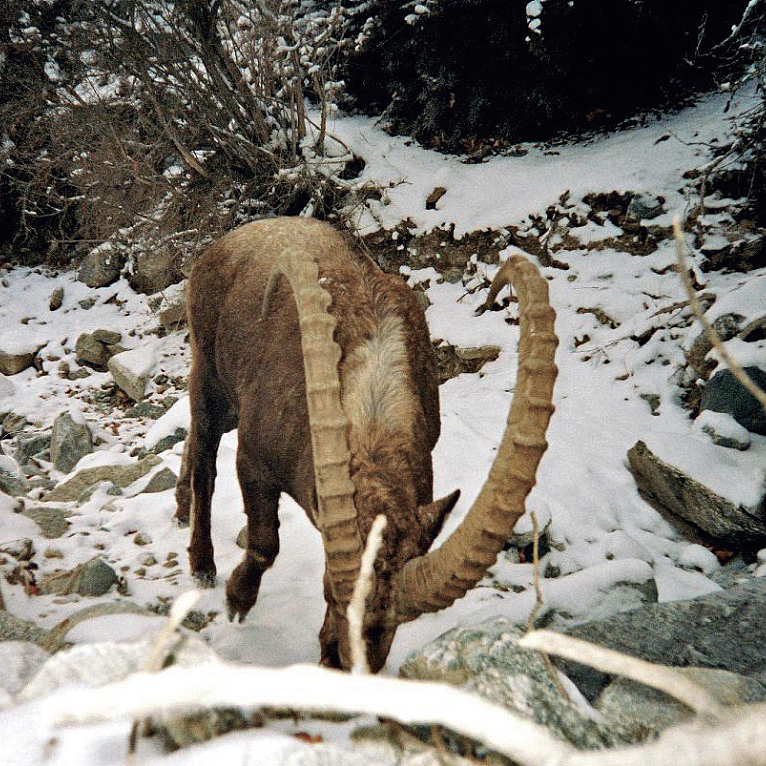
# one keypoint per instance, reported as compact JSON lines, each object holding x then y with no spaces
{"x":238,"y":611}
{"x":204,"y":579}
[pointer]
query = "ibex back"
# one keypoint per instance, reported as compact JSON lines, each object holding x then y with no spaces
{"x":330,"y":376}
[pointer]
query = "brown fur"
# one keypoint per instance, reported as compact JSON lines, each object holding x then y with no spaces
{"x":247,"y":371}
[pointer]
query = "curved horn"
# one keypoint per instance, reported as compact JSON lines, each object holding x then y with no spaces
{"x":437,"y":579}
{"x":327,"y":421}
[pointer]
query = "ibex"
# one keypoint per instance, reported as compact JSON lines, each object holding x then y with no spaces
{"x":325,"y":364}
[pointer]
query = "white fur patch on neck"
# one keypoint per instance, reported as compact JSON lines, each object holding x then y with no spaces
{"x":377,"y":388}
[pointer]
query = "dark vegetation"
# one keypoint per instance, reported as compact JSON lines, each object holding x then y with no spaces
{"x":156,"y":125}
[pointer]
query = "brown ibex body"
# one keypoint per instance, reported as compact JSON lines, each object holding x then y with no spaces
{"x":330,"y":376}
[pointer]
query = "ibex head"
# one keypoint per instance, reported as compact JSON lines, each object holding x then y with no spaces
{"x":410,"y":579}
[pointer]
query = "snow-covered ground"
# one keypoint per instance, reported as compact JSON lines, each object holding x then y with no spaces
{"x":602,"y":532}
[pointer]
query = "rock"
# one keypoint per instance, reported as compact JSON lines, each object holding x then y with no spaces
{"x":120,"y":475}
{"x":13,"y":628}
{"x":142,"y":539}
{"x":154,"y":270}
{"x":13,"y":362}
{"x":101,"y":266}
{"x":690,"y":505}
{"x":162,"y":480}
{"x":93,"y":578}
{"x":724,"y":393}
{"x":724,"y":630}
{"x":97,"y":348}
{"x":71,"y":440}
{"x":145,"y":410}
{"x":645,"y":711}
{"x":644,"y":206}
{"x":57,"y":299}
{"x":171,"y":309}
{"x":726,"y":326}
{"x":486,"y":659}
{"x":97,"y":664}
{"x":132,"y":370}
{"x":723,"y":430}
{"x":20,"y":660}
{"x":52,"y":521}
{"x":13,"y":484}
{"x":31,"y":446}
{"x":168,"y":441}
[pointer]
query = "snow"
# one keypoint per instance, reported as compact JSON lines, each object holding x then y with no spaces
{"x":607,"y":543}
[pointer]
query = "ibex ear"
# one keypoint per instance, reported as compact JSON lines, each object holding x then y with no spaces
{"x":432,"y":516}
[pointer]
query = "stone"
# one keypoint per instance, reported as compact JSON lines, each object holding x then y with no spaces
{"x":71,"y":440}
{"x":724,"y":393}
{"x":145,"y":410}
{"x":88,"y":350}
{"x":132,"y":370}
{"x":93,"y":578}
{"x":726,"y":327}
{"x":690,"y":505}
{"x":644,"y":206}
{"x":723,"y":430}
{"x":51,"y":521}
{"x":163,"y":480}
{"x":12,"y":484}
{"x":168,"y":441}
{"x":57,"y":299}
{"x":96,"y":664}
{"x":724,"y":630}
{"x":13,"y":628}
{"x":121,"y":475}
{"x":171,"y":309}
{"x":109,"y":337}
{"x":101,"y":266}
{"x":154,"y":270}
{"x":486,"y":659}
{"x":646,"y":711}
{"x":14,"y":362}
{"x":31,"y":446}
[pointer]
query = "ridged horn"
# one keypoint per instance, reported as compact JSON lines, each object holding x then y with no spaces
{"x":327,"y":421}
{"x":437,"y":579}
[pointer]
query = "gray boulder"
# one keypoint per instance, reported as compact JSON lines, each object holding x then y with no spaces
{"x":71,"y":440}
{"x":92,"y":578}
{"x":487,"y":660}
{"x":692,"y":506}
{"x":97,"y":347}
{"x":162,"y":480}
{"x":154,"y":270}
{"x":56,"y":299}
{"x":724,"y":630}
{"x":724,"y":393}
{"x":32,"y":445}
{"x":646,"y":711}
{"x":643,"y":206}
{"x":132,"y":370}
{"x":121,"y":475}
{"x":101,"y":266}
{"x":51,"y":521}
{"x":15,"y":361}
